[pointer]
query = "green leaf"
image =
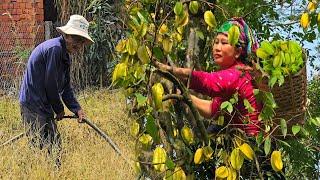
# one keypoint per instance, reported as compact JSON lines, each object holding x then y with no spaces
{"x":178,"y":8}
{"x":227,"y":105}
{"x":270,"y":100}
{"x":315,"y":121}
{"x":142,"y":18}
{"x":259,"y":138}
{"x":295,"y":129}
{"x":152,"y":129}
{"x":158,"y":53}
{"x":233,"y":35}
{"x":283,"y":142}
{"x":280,"y":80}
{"x":305,"y":132}
{"x":170,"y":164}
{"x":256,"y":91}
{"x":272,"y":81}
{"x":220,"y":120}
{"x":224,"y":105}
{"x":141,"y":99}
{"x":230,"y":108}
{"x":283,"y":125}
{"x":200,"y":34}
{"x":267,"y":145}
{"x":232,"y":101}
{"x":248,"y":106}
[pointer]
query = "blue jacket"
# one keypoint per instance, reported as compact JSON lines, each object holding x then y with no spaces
{"x":47,"y":80}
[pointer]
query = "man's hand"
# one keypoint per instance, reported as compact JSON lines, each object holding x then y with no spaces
{"x":60,"y":115}
{"x":81,"y":115}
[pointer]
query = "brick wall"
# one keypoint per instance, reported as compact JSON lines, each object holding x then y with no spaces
{"x":21,"y":23}
{"x":21,"y":29}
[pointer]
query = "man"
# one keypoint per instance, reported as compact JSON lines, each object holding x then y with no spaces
{"x":47,"y":80}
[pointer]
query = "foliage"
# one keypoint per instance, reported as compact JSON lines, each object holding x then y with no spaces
{"x":93,"y":66}
{"x":170,"y":131}
{"x":105,"y":30}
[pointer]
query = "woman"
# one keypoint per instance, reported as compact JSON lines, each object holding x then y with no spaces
{"x":223,"y":84}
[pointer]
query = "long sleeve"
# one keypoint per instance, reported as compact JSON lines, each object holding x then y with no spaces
{"x":215,"y":105}
{"x":53,"y":55}
{"x":68,"y":96}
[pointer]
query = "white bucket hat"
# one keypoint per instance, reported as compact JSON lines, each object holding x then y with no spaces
{"x":77,"y":25}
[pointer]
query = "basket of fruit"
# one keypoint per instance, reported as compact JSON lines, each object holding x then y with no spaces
{"x":283,"y":65}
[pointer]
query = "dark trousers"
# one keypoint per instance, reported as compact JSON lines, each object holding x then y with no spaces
{"x":42,"y":132}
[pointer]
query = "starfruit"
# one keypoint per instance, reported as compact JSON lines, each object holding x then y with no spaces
{"x":247,"y":151}
{"x":163,"y":29}
{"x":187,"y":135}
{"x":207,"y":152}
{"x":276,"y":161}
{"x":198,"y":156}
{"x":277,"y":61}
{"x":182,"y":20}
{"x":178,"y":8}
{"x":194,"y":7}
{"x":312,"y":6}
{"x":304,"y":21}
{"x":284,"y":46}
{"x":167,"y":45}
{"x":120,"y":71}
{"x":287,"y":60}
{"x":157,"y":94}
{"x":134,"y":129}
{"x":210,"y":19}
{"x":159,"y":159}
{"x":143,"y":54}
{"x":232,"y":174}
{"x":121,"y":46}
{"x":262,"y":54}
{"x":146,"y":141}
{"x":132,"y":46}
{"x":179,"y":174}
{"x":222,"y":172}
{"x":233,"y":35}
{"x":137,"y":167}
{"x":180,"y":29}
{"x":236,"y":159}
{"x":267,"y":47}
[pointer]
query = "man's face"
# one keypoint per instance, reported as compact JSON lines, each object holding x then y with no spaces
{"x":74,"y":43}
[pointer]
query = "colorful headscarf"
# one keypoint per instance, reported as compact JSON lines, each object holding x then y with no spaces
{"x":246,"y":39}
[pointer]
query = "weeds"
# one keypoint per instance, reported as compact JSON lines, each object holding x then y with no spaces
{"x":85,"y":154}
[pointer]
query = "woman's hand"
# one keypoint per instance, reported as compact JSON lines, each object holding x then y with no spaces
{"x":162,"y":66}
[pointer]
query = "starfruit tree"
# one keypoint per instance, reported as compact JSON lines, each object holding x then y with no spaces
{"x":171,"y":137}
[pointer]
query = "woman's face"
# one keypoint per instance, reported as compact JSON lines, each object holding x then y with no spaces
{"x":223,"y":53}
{"x":74,"y":43}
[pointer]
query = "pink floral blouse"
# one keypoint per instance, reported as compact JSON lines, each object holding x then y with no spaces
{"x":221,"y":86}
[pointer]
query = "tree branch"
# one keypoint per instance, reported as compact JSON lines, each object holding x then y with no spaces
{"x":187,"y":100}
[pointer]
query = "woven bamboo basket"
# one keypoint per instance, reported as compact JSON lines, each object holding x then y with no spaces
{"x":291,"y":99}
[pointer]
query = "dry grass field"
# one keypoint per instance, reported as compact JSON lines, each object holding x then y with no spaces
{"x":85,"y":154}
